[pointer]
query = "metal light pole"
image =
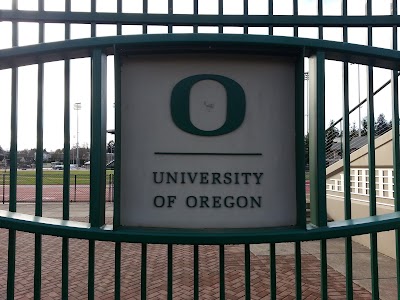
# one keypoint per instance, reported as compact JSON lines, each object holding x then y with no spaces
{"x":77,"y":107}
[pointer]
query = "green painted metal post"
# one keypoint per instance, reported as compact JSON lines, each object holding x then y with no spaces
{"x":143,"y":274}
{"x":13,"y":165}
{"x":196,"y":272}
{"x":346,"y":166}
{"x":272,"y":269}
{"x":117,"y":271}
{"x":396,"y":146}
{"x":317,"y":156}
{"x":117,"y":150}
{"x":222,"y":272}
{"x":39,"y":168}
{"x":98,"y":140}
{"x":66,"y":172}
{"x":170,"y":272}
{"x":317,"y":139}
{"x":247,"y":272}
{"x":300,"y":166}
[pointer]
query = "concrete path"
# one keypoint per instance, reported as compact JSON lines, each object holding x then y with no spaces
{"x":183,"y":271}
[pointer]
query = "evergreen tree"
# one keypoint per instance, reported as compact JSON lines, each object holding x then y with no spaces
{"x":381,"y":125}
{"x":353,"y":131}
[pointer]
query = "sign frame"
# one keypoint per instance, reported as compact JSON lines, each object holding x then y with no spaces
{"x":170,"y":47}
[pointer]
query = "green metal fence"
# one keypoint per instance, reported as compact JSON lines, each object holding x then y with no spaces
{"x":318,"y":51}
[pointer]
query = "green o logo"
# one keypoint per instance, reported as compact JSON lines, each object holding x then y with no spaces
{"x":235,"y":105}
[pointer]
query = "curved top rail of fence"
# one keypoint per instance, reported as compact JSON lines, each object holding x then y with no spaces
{"x":47,"y":52}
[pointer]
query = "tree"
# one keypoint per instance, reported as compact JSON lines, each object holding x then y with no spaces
{"x":353,"y":131}
{"x":2,"y":154}
{"x":381,"y":125}
{"x":364,"y":127}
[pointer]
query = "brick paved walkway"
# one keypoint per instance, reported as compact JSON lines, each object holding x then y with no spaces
{"x":157,"y":272}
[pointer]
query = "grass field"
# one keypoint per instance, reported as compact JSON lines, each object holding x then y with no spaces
{"x":50,"y":177}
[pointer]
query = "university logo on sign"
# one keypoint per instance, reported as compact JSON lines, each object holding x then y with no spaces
{"x":235,"y":104}
{"x":207,"y":142}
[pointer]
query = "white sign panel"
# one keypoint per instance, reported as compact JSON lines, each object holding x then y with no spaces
{"x":208,"y":141}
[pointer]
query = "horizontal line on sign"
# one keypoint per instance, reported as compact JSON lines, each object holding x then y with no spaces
{"x":208,"y":153}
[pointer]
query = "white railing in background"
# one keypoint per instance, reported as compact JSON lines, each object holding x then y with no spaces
{"x":359,"y":183}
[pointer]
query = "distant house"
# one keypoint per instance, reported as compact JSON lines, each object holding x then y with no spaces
{"x":46,"y":156}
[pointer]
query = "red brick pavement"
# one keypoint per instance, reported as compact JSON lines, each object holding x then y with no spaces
{"x":157,"y":272}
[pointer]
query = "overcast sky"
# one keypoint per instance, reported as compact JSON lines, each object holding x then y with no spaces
{"x":80,"y":68}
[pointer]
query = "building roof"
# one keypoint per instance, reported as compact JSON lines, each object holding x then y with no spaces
{"x":355,"y":143}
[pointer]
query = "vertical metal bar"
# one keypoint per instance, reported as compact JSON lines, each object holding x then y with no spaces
{"x":372,"y":183}
{"x":109,"y":187}
{"x":272,"y":264}
{"x":119,"y":11}
{"x":371,"y":165}
{"x":75,"y":187}
{"x":320,"y":14}
{"x":170,"y":12}
{"x":324,"y":270}
{"x":296,"y":13}
{"x":66,"y":173}
{"x":396,"y":147}
{"x":170,"y":273}
{"x":13,"y":165}
{"x":271,"y":13}
{"x":117,"y":274}
{"x":143,"y":274}
{"x":93,"y":24}
{"x":98,"y":139}
{"x":91,"y":270}
{"x":299,"y":129}
{"x":300,"y":163}
{"x":14,"y":122}
{"x":245,"y":13}
{"x":247,"y":273}
{"x":65,"y":268}
{"x":317,"y":155}
{"x":11,"y":264}
{"x":37,"y":282}
{"x":221,"y":272}
{"x":346,"y":180}
{"x":195,"y":12}
{"x":297,"y":254}
{"x":118,"y":244}
{"x":196,"y":272}
{"x":346,"y":165}
{"x":117,"y":150}
{"x":4,"y":187}
{"x":112,"y":194}
{"x":317,"y":139}
{"x":220,"y":13}
{"x":145,"y":12}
